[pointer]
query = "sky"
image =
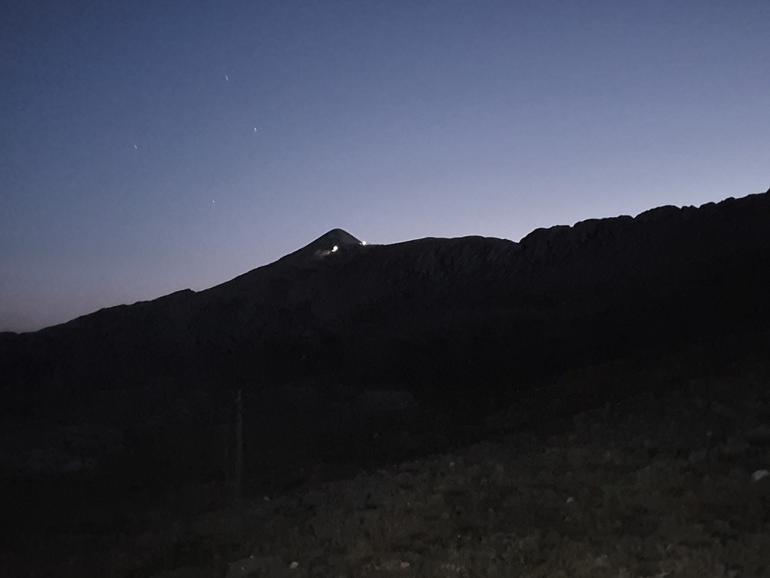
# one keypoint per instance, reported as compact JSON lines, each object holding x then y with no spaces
{"x":147,"y":147}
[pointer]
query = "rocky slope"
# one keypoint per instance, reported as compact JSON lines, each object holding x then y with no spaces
{"x":444,"y":311}
{"x":364,"y":355}
{"x":668,"y":484}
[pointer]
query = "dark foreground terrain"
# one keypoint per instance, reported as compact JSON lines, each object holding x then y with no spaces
{"x":592,"y":400}
{"x":670,"y":482}
{"x":655,"y":486}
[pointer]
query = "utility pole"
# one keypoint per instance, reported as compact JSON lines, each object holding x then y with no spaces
{"x":238,"y":489}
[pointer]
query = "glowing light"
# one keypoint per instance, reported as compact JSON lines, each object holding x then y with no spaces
{"x":363,"y":242}
{"x":335,"y":249}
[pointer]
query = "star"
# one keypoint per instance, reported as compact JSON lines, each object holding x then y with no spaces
{"x":227,"y":77}
{"x":136,"y":147}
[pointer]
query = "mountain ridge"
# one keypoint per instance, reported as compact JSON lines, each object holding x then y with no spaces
{"x":533,"y":241}
{"x":403,"y":312}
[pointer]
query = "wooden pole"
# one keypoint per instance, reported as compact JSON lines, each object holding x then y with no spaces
{"x":238,"y":446}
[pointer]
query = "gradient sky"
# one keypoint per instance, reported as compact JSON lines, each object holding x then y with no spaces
{"x":130,"y":166}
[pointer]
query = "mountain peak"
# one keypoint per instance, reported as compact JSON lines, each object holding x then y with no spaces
{"x":327,"y":244}
{"x":337,"y":237}
{"x":331,"y":242}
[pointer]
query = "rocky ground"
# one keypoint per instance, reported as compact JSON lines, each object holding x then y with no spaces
{"x":674,"y":485}
{"x":659,"y":485}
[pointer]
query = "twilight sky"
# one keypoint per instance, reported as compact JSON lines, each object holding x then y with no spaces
{"x":147,"y":147}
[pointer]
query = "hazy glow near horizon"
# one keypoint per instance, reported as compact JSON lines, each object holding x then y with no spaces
{"x":150,"y":147}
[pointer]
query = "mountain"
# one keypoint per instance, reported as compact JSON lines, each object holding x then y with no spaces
{"x":461,"y":318}
{"x":346,"y":355}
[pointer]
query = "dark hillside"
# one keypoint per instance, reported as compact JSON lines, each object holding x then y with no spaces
{"x":351,"y":355}
{"x":430,"y":310}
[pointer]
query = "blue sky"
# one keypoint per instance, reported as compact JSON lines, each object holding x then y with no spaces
{"x":147,"y":147}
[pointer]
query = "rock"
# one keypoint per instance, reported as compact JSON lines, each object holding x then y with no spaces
{"x":759,"y":475}
{"x":255,"y":566}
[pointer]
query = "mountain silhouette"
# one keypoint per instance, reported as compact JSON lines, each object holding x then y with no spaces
{"x":440,"y":317}
{"x":345,"y":355}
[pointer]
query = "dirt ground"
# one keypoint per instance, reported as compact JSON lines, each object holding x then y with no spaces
{"x":672,"y":485}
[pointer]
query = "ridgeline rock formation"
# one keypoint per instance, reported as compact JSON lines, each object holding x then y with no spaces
{"x":451,"y":320}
